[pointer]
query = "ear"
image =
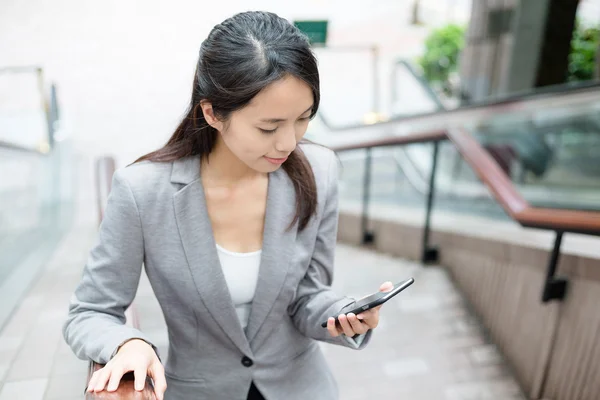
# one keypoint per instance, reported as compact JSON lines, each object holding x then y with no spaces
{"x":209,"y":115}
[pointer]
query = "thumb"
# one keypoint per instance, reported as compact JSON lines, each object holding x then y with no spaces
{"x":386,"y":287}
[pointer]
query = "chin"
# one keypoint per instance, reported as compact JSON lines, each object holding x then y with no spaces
{"x":265,"y":166}
{"x":272,"y":168}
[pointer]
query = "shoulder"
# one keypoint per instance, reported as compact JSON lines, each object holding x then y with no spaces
{"x":144,"y":178}
{"x":322,"y":160}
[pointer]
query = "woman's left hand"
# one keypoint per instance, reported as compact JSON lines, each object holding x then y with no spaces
{"x":350,"y":324}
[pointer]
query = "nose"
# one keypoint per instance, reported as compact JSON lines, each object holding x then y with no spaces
{"x":286,"y":142}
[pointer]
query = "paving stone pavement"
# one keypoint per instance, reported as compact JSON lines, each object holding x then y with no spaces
{"x":428,"y":345}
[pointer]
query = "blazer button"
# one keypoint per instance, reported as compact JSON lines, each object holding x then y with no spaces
{"x":246,"y":362}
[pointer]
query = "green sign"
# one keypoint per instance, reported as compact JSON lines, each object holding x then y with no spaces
{"x":315,"y":30}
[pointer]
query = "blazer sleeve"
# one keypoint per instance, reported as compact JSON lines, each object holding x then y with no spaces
{"x":95,"y":326}
{"x":315,"y":301}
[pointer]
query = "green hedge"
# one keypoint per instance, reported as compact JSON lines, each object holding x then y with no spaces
{"x":584,"y":46}
{"x":442,"y":48}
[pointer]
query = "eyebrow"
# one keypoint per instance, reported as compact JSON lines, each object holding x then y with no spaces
{"x":275,"y":120}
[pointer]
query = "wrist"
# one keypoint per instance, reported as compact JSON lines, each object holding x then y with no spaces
{"x":130,"y":342}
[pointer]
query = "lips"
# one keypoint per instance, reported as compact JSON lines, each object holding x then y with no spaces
{"x":277,"y":161}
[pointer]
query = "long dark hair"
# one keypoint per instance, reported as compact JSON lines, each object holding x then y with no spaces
{"x":240,"y":57}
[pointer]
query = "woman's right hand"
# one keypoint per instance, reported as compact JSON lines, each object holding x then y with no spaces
{"x":135,"y":355}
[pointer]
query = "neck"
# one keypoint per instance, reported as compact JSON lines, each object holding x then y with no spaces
{"x":223,"y":168}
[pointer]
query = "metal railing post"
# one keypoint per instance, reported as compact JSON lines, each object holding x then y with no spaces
{"x":430,"y":254}
{"x":367,"y":235}
{"x":555,"y":288}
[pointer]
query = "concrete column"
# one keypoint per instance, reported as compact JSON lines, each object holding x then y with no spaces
{"x":525,"y":48}
{"x":488,"y":40}
{"x":504,"y":47}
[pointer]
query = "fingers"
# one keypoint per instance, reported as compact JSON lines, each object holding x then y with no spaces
{"x":358,"y":327}
{"x":371,"y":317}
{"x":386,"y":286}
{"x":99,"y":380}
{"x":349,"y":325}
{"x":92,"y":382}
{"x":115,"y":377}
{"x":345,"y":325}
{"x":157,"y":373}
{"x":333,"y":330}
{"x":140,"y":379}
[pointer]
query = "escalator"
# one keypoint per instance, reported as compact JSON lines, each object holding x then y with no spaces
{"x":547,"y":142}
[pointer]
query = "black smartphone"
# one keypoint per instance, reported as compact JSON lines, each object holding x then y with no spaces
{"x":374,"y":300}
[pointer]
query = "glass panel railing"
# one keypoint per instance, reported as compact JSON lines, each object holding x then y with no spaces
{"x":35,"y":210}
{"x":548,"y":147}
{"x":400,"y":182}
{"x":550,"y":154}
{"x":459,"y":189}
{"x":36,"y":199}
{"x":389,"y":185}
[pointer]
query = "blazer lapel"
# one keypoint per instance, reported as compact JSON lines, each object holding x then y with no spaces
{"x":200,"y":250}
{"x":277,"y":248}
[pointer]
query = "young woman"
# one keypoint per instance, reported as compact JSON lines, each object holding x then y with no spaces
{"x":235,"y":223}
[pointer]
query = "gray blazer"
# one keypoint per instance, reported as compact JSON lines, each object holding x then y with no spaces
{"x":156,"y":216}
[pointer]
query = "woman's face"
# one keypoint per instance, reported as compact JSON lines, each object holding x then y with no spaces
{"x":264,"y":133}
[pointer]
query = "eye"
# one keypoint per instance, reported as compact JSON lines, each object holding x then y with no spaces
{"x":267,"y":131}
{"x":304,"y":119}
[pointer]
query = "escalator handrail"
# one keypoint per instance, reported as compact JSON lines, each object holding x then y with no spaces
{"x":417,"y":137}
{"x":12,"y":146}
{"x":433,"y":96}
{"x":499,"y":184}
{"x":20,"y":68}
{"x":544,"y":91}
{"x":492,"y":105}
